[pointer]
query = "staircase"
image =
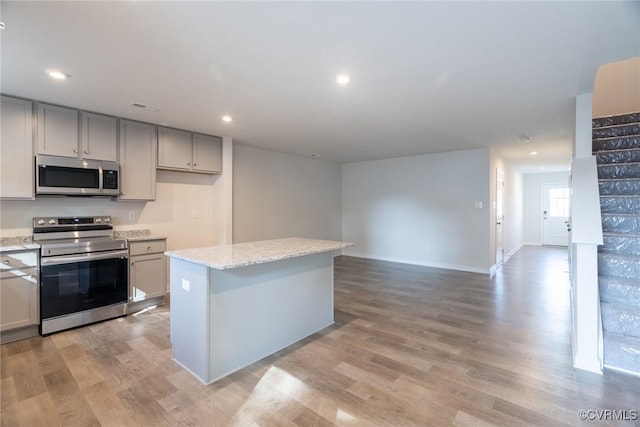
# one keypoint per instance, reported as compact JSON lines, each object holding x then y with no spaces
{"x":616,"y":145}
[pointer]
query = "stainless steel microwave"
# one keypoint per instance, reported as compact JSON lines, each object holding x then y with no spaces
{"x":76,"y":177}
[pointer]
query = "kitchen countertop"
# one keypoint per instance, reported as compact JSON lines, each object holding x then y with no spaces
{"x":18,"y":243}
{"x":137,"y":235}
{"x":244,"y":254}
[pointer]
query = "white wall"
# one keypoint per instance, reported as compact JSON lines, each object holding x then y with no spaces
{"x":420,"y":210}
{"x":190,"y":209}
{"x":532,"y":203}
{"x":512,"y":229}
{"x":279,"y":195}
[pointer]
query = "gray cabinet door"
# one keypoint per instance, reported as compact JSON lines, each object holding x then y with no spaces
{"x":57,"y":131}
{"x":98,"y":136}
{"x":18,"y":299}
{"x":174,"y":149}
{"x":16,"y":149}
{"x":207,"y":153}
{"x":137,"y":156}
{"x":147,"y":276}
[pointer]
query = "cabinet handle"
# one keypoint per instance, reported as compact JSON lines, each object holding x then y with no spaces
{"x":189,"y":164}
{"x":195,"y":164}
{"x":85,"y":151}
{"x":75,"y":150}
{"x":148,"y":248}
{"x":6,"y":261}
{"x":132,"y":262}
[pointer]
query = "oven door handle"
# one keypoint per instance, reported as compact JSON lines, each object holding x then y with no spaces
{"x":70,"y":259}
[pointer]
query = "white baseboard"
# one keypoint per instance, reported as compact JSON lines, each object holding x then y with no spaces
{"x":446,"y":266}
{"x":588,"y":364}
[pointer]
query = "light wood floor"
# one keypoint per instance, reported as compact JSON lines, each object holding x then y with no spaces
{"x":411,"y":346}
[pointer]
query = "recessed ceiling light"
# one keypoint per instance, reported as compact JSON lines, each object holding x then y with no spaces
{"x":533,"y":153}
{"x":227,"y":118}
{"x":343,"y":79}
{"x":58,"y":75}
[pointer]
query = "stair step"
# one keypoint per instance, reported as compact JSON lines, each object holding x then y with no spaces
{"x":620,"y":223}
{"x":624,"y":266}
{"x":629,"y":155}
{"x":627,"y":186}
{"x":622,"y":352}
{"x":620,"y":204}
{"x":621,"y":319}
{"x":620,"y":119}
{"x":619,"y":171}
{"x":622,"y":244}
{"x":616,"y":130}
{"x":616,"y":143}
{"x":618,"y":290}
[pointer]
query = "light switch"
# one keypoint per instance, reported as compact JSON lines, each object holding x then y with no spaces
{"x":186,"y":285}
{"x":478,"y":205}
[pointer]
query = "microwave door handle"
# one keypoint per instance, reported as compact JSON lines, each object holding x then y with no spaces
{"x":100,"y":178}
{"x":70,"y":259}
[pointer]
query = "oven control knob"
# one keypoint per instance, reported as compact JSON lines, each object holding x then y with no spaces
{"x":41,"y":222}
{"x":98,"y":220}
{"x":52,"y":221}
{"x":107,"y":220}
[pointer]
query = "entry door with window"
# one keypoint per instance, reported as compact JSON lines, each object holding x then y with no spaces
{"x":555,"y":214}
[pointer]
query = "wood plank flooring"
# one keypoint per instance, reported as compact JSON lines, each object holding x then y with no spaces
{"x":411,"y":346}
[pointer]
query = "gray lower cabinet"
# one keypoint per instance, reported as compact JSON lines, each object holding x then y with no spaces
{"x":19,"y":305}
{"x":138,"y":147}
{"x":16,"y":146}
{"x":147,"y":270}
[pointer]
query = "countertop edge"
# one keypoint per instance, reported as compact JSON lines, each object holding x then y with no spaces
{"x":260,"y":260}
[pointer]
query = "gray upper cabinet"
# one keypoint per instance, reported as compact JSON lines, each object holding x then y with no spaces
{"x":174,"y":149}
{"x":57,"y":131}
{"x":181,"y":150}
{"x":98,"y":136}
{"x":207,"y":153}
{"x":137,"y":155}
{"x":61,"y":133}
{"x":16,"y":149}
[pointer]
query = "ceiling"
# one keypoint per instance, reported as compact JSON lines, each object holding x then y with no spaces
{"x":426,"y":77}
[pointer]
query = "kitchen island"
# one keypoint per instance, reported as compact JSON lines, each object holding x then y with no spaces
{"x":232,"y":305}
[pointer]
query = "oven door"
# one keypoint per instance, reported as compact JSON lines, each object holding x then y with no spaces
{"x":75,"y":283}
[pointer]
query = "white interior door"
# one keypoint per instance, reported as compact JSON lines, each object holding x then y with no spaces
{"x":499,"y":216}
{"x":555,"y":214}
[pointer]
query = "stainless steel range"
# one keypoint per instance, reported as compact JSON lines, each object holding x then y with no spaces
{"x":83,"y":271}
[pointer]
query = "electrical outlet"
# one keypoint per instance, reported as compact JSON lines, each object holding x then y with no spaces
{"x":186,"y":285}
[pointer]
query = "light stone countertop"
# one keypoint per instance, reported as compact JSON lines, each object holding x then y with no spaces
{"x":137,"y":235}
{"x":244,"y":254}
{"x":18,"y":243}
